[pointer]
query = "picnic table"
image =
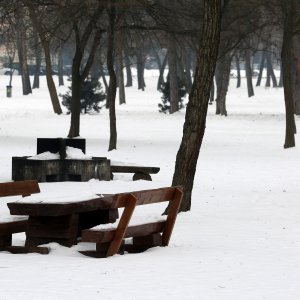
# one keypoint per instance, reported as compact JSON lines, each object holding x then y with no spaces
{"x":62,"y":221}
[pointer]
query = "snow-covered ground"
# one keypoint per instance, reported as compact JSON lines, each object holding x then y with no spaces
{"x":241,"y":239}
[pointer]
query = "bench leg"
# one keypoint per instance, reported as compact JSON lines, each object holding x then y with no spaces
{"x":101,"y":250}
{"x":142,"y":243}
{"x":141,"y":176}
{"x":5,"y":240}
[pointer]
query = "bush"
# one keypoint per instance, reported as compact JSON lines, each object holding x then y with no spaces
{"x":164,"y":107}
{"x":91,"y":96}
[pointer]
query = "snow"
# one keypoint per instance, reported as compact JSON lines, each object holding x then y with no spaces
{"x":139,"y":220}
{"x":75,"y":153}
{"x":45,"y":156}
{"x":241,"y":239}
{"x":59,"y":198}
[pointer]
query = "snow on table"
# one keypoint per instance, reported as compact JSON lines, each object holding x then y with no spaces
{"x":61,"y":199}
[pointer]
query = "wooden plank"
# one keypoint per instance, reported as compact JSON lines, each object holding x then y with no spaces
{"x":23,"y":188}
{"x":13,"y":227}
{"x":146,"y":196}
{"x":122,"y":226}
{"x":134,"y":169}
{"x":36,"y":241}
{"x":60,"y":209}
{"x":172,"y":215}
{"x":104,"y":236}
{"x":24,"y":250}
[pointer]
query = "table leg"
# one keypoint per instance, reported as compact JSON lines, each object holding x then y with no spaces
{"x":43,"y":230}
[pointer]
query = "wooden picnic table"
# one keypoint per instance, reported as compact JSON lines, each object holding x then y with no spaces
{"x":62,"y":222}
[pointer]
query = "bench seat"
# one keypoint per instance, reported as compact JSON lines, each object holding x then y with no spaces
{"x":140,"y":172}
{"x":14,"y":224}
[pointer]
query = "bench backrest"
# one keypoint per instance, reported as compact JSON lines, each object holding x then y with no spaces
{"x":147,"y":196}
{"x":130,"y":200}
{"x":19,"y":188}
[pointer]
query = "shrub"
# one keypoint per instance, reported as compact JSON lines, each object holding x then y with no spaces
{"x":91,"y":96}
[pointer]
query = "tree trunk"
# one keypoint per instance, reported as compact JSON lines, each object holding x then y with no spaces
{"x":188,"y":67}
{"x":261,"y":68}
{"x":50,"y":83}
{"x":112,"y":88}
{"x":22,"y":52}
{"x":212,"y":93}
{"x":103,"y":78}
{"x":45,"y":44}
{"x":296,"y":73}
{"x":280,"y":84}
{"x":119,"y":69}
{"x":268,"y":79}
{"x":172,"y":62}
{"x":161,"y":73}
{"x":238,"y":71}
{"x":128,"y":69}
{"x":38,"y":61}
{"x":270,"y":69}
{"x":286,"y":58}
{"x":222,"y":79}
{"x":195,"y":119}
{"x":60,"y":65}
{"x":140,"y":71}
{"x":75,"y":100}
{"x":80,"y":70}
{"x":249,"y":76}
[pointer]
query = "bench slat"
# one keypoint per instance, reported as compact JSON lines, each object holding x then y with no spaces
{"x":134,"y":169}
{"x":13,"y":227}
{"x":146,"y":196}
{"x":23,"y":188}
{"x":107,"y":235}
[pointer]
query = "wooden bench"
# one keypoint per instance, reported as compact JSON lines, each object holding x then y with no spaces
{"x":111,"y":241}
{"x":140,"y":172}
{"x":11,"y":226}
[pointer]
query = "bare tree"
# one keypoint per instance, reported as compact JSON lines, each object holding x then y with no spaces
{"x":195,"y":119}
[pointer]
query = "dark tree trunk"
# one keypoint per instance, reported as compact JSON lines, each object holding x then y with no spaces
{"x":195,"y":119}
{"x":249,"y":76}
{"x":50,"y":83}
{"x":140,"y":71}
{"x":238,"y":71}
{"x":212,"y":93}
{"x":188,"y":67}
{"x":268,"y":79}
{"x":22,"y":52}
{"x":161,"y":72}
{"x":280,"y":84}
{"x":180,"y":67}
{"x":112,"y":88}
{"x":45,"y":44}
{"x":270,"y":69}
{"x":74,"y":130}
{"x":103,"y":78}
{"x":128,"y":69}
{"x":80,"y":71}
{"x":172,"y":62}
{"x":38,"y":61}
{"x":296,"y":74}
{"x":60,"y":65}
{"x":222,"y":80}
{"x":261,"y":68}
{"x":286,"y":58}
{"x":119,"y":69}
